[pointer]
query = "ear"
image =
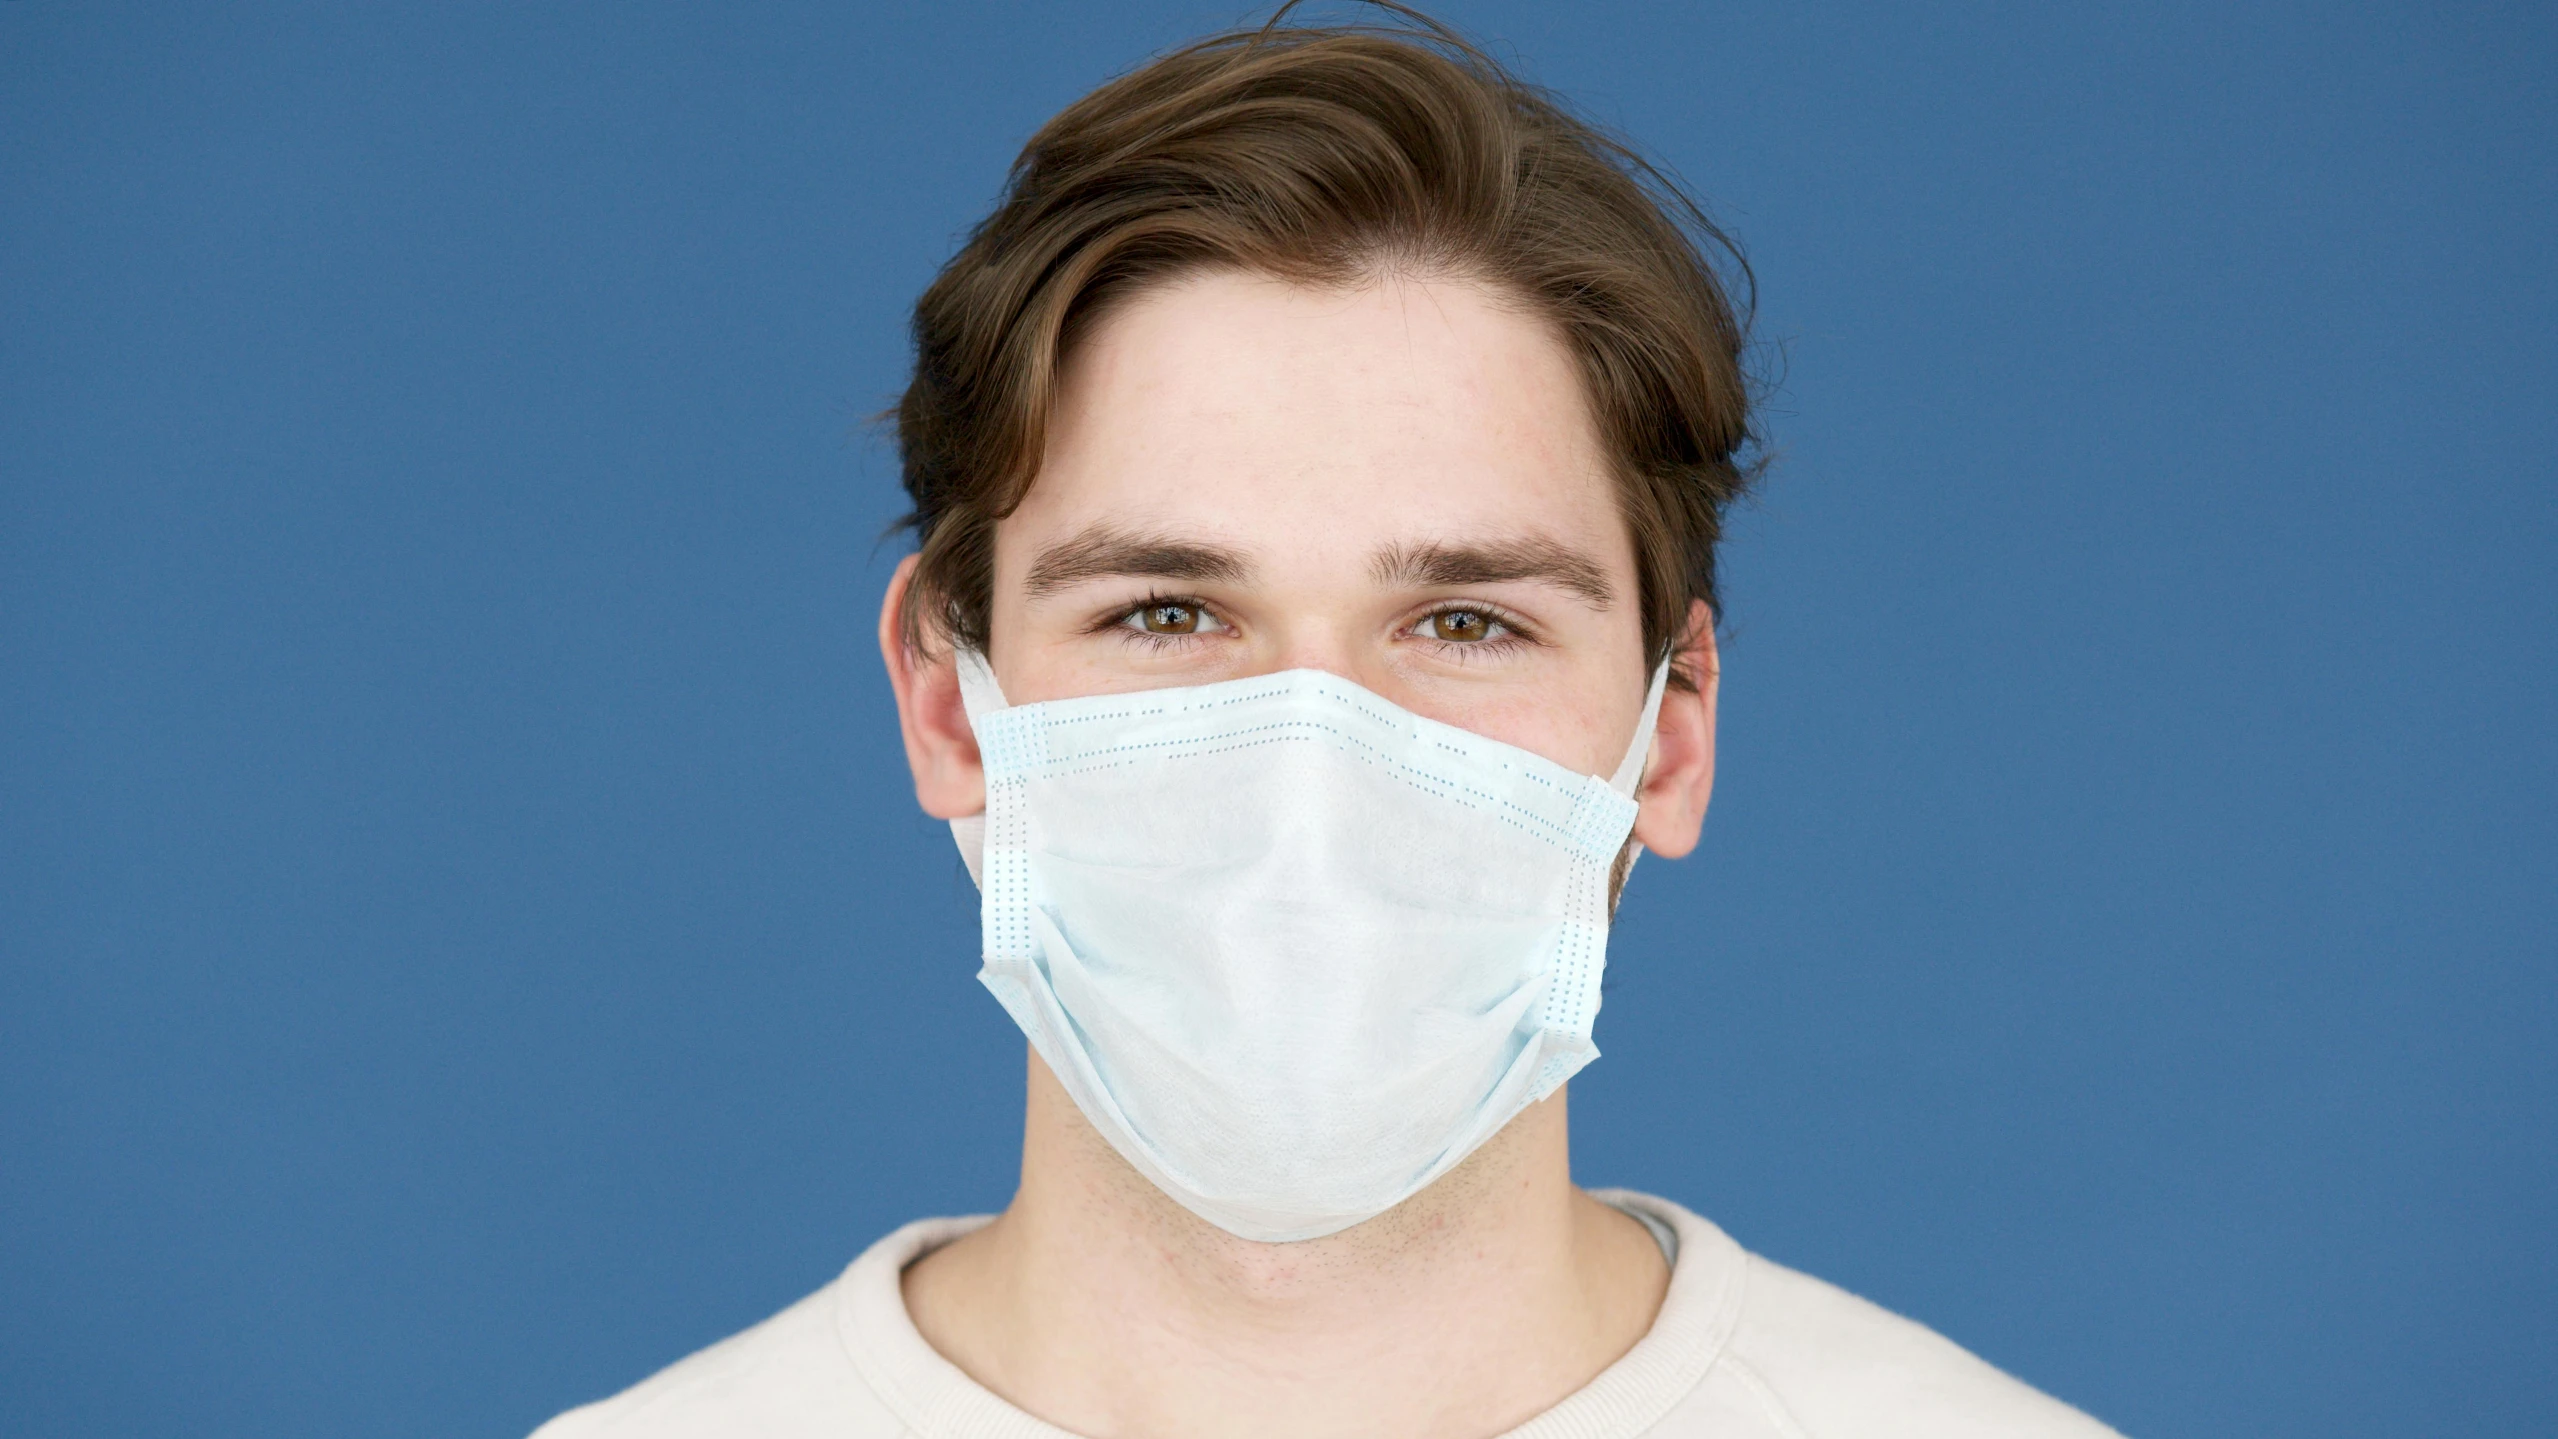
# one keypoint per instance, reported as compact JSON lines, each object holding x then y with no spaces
{"x":1681,"y":777}
{"x":950,"y":781}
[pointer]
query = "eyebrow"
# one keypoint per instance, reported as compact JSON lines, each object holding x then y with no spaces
{"x":1483,"y":564}
{"x":1105,"y":552}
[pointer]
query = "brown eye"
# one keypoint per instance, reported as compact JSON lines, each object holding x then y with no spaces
{"x":1171,"y":620}
{"x":1461,"y":626}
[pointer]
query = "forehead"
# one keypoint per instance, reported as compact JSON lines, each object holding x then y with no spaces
{"x":1268,"y":412}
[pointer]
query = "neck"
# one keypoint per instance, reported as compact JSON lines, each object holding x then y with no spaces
{"x":1099,"y":1305}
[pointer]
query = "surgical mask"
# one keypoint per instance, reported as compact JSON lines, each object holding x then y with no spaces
{"x":1294,"y":951}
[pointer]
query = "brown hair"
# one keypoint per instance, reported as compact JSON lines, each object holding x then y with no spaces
{"x":1328,"y":156}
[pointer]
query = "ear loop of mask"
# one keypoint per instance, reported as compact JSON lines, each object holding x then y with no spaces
{"x":1629,"y":775}
{"x":1638,"y":755}
{"x":979,"y":694}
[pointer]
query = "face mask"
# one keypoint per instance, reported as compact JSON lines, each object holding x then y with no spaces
{"x":1293,"y":950}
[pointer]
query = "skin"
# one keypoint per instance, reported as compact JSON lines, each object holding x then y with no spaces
{"x":1400,"y":483}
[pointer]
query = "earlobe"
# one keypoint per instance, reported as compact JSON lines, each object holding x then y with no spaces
{"x":1681,"y":777}
{"x":941,"y":749}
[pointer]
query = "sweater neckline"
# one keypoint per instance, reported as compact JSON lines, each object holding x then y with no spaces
{"x":936,"y":1400}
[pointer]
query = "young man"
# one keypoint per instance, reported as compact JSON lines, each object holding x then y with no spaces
{"x":1318,"y":460}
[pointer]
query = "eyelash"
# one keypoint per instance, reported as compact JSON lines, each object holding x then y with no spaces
{"x":1514,"y":633}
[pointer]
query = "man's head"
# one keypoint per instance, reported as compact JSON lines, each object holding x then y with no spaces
{"x":1331,"y":349}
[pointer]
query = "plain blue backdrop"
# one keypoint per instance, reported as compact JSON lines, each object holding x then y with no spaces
{"x":466,"y":939}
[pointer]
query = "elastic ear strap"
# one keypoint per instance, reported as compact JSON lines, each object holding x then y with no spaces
{"x":979,"y":695}
{"x":978,"y":692}
{"x":1639,"y":754}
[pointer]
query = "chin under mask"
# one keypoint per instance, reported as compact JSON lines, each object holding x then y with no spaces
{"x":1293,"y":950}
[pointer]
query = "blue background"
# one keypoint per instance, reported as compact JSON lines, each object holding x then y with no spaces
{"x":466,"y":939}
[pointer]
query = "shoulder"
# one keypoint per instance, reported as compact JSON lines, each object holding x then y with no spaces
{"x":799,"y":1373}
{"x":1846,"y":1367}
{"x":785,"y":1376}
{"x":1826,"y":1364}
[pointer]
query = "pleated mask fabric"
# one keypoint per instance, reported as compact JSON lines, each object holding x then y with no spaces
{"x":1293,"y":950}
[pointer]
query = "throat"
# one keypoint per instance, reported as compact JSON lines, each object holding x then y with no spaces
{"x":1099,"y":1305}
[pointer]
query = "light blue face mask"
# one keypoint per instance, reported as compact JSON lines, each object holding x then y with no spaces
{"x":1293,"y":950}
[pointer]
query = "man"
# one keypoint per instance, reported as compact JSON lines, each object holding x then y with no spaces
{"x":1317,"y":459}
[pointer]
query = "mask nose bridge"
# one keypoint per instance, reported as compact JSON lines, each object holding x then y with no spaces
{"x":980,"y":695}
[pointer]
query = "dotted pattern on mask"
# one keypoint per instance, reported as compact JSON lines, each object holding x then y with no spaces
{"x":1012,"y":752}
